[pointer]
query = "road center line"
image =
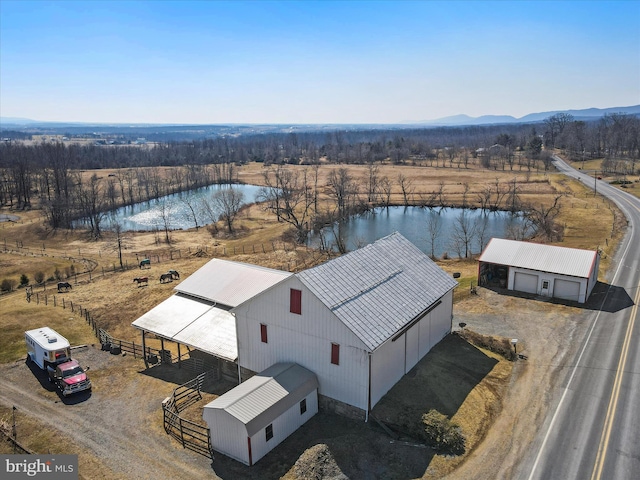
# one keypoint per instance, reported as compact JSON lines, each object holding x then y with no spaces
{"x":613,"y":401}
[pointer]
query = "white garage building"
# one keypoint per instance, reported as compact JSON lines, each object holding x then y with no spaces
{"x":547,"y":270}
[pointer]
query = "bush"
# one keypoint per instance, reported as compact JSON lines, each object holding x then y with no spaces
{"x":7,"y":285}
{"x":24,"y":280}
{"x":39,"y":277}
{"x":443,"y":434}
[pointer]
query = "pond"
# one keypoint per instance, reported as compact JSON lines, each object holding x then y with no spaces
{"x":420,"y":224}
{"x":148,"y":216}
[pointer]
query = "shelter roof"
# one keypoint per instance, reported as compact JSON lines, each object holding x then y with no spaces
{"x":230,"y":283}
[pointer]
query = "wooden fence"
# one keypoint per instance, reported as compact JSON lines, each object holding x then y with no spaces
{"x":191,"y":435}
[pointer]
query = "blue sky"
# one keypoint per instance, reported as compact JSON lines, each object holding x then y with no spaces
{"x":313,"y":62}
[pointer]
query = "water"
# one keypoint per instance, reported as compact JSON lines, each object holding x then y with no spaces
{"x":417,"y":224}
{"x":148,"y":216}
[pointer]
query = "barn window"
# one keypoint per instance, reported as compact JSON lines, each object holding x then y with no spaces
{"x":269,"y":432}
{"x":263,"y":333}
{"x":335,"y":354}
{"x":303,"y":406}
{"x":295,"y":304}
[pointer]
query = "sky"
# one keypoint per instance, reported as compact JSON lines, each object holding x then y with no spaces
{"x":212,"y":62}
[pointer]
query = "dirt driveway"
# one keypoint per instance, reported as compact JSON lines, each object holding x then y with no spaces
{"x":117,"y":429}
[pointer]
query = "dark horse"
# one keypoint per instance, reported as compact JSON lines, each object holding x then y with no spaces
{"x":141,"y":280}
{"x":64,"y":286}
{"x":166,"y":276}
{"x":174,"y":274}
{"x":145,"y":262}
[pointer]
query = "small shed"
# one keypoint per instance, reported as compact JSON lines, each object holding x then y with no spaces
{"x":250,"y":420}
{"x":547,"y":270}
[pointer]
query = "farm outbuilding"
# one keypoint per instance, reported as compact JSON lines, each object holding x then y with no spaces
{"x":250,"y":420}
{"x":360,"y":322}
{"x":546,"y":270}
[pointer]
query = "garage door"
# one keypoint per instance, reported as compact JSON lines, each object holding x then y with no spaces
{"x":566,"y":290}
{"x":525,"y":282}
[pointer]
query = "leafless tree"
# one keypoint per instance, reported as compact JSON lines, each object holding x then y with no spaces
{"x":462,"y":235}
{"x":191,"y":215}
{"x":228,"y":201}
{"x":165,"y":216}
{"x":407,"y":188}
{"x":543,"y":219}
{"x":434,"y":227}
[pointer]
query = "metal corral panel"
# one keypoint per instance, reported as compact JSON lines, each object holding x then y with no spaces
{"x":377,"y":290}
{"x":230,"y":283}
{"x":545,"y":258}
{"x":195,"y":323}
{"x":566,"y":289}
{"x":265,"y":396}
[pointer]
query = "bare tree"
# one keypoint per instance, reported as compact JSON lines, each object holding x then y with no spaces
{"x":344,"y":190}
{"x":406,"y":185}
{"x":191,"y":215}
{"x":434,"y":227}
{"x":228,"y":201}
{"x":165,"y":216}
{"x":543,"y":219}
{"x":462,"y":235}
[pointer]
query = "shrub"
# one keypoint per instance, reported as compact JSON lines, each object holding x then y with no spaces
{"x":7,"y":285}
{"x":24,"y":280}
{"x":39,"y":277}
{"x":443,"y":434}
{"x":57,"y":274}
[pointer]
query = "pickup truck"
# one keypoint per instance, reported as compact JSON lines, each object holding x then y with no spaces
{"x":69,"y":377}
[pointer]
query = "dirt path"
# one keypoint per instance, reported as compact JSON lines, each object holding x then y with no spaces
{"x":117,"y":422}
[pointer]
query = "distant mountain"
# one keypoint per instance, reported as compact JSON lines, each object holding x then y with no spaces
{"x":585,"y":114}
{"x":16,"y":121}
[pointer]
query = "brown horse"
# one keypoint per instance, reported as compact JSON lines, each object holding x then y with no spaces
{"x":141,"y":280}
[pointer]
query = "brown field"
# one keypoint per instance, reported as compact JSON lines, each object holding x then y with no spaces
{"x":27,"y":247}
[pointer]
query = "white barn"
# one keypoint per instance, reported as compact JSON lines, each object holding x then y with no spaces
{"x":546,"y":270}
{"x":359,"y":322}
{"x":250,"y":420}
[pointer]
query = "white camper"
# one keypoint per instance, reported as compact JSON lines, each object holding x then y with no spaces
{"x":47,"y":348}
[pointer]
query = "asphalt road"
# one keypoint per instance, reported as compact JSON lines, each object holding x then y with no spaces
{"x":593,"y":427}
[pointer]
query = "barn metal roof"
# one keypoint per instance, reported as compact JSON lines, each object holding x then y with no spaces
{"x":377,"y":290}
{"x":230,"y":283}
{"x":193,"y":322}
{"x":265,"y":396}
{"x":544,"y":258}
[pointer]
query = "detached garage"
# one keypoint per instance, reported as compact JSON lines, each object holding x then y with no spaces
{"x":547,"y":270}
{"x":250,"y":420}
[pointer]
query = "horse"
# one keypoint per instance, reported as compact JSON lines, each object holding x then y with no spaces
{"x":166,"y":276}
{"x":145,"y":261}
{"x":141,"y":280}
{"x":174,"y":274}
{"x":64,"y":285}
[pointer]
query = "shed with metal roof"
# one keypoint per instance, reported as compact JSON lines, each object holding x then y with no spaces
{"x":538,"y":269}
{"x":251,"y":419}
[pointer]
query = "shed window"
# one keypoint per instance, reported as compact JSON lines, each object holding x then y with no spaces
{"x":545,"y":285}
{"x":303,"y":406}
{"x":335,"y":354}
{"x":269,"y":432}
{"x":295,"y":304}
{"x":263,"y":333}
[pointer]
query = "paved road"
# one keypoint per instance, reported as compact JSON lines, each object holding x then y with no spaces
{"x":593,"y":428}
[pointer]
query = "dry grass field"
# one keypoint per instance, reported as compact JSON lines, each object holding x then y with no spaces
{"x":28,"y":247}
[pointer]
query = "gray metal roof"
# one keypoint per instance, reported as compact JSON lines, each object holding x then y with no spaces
{"x":230,"y":283}
{"x":535,"y":256}
{"x":265,"y":396}
{"x":193,"y":322}
{"x":377,"y":290}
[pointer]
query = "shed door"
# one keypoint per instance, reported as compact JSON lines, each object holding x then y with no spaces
{"x":566,"y":289}
{"x":525,"y":282}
